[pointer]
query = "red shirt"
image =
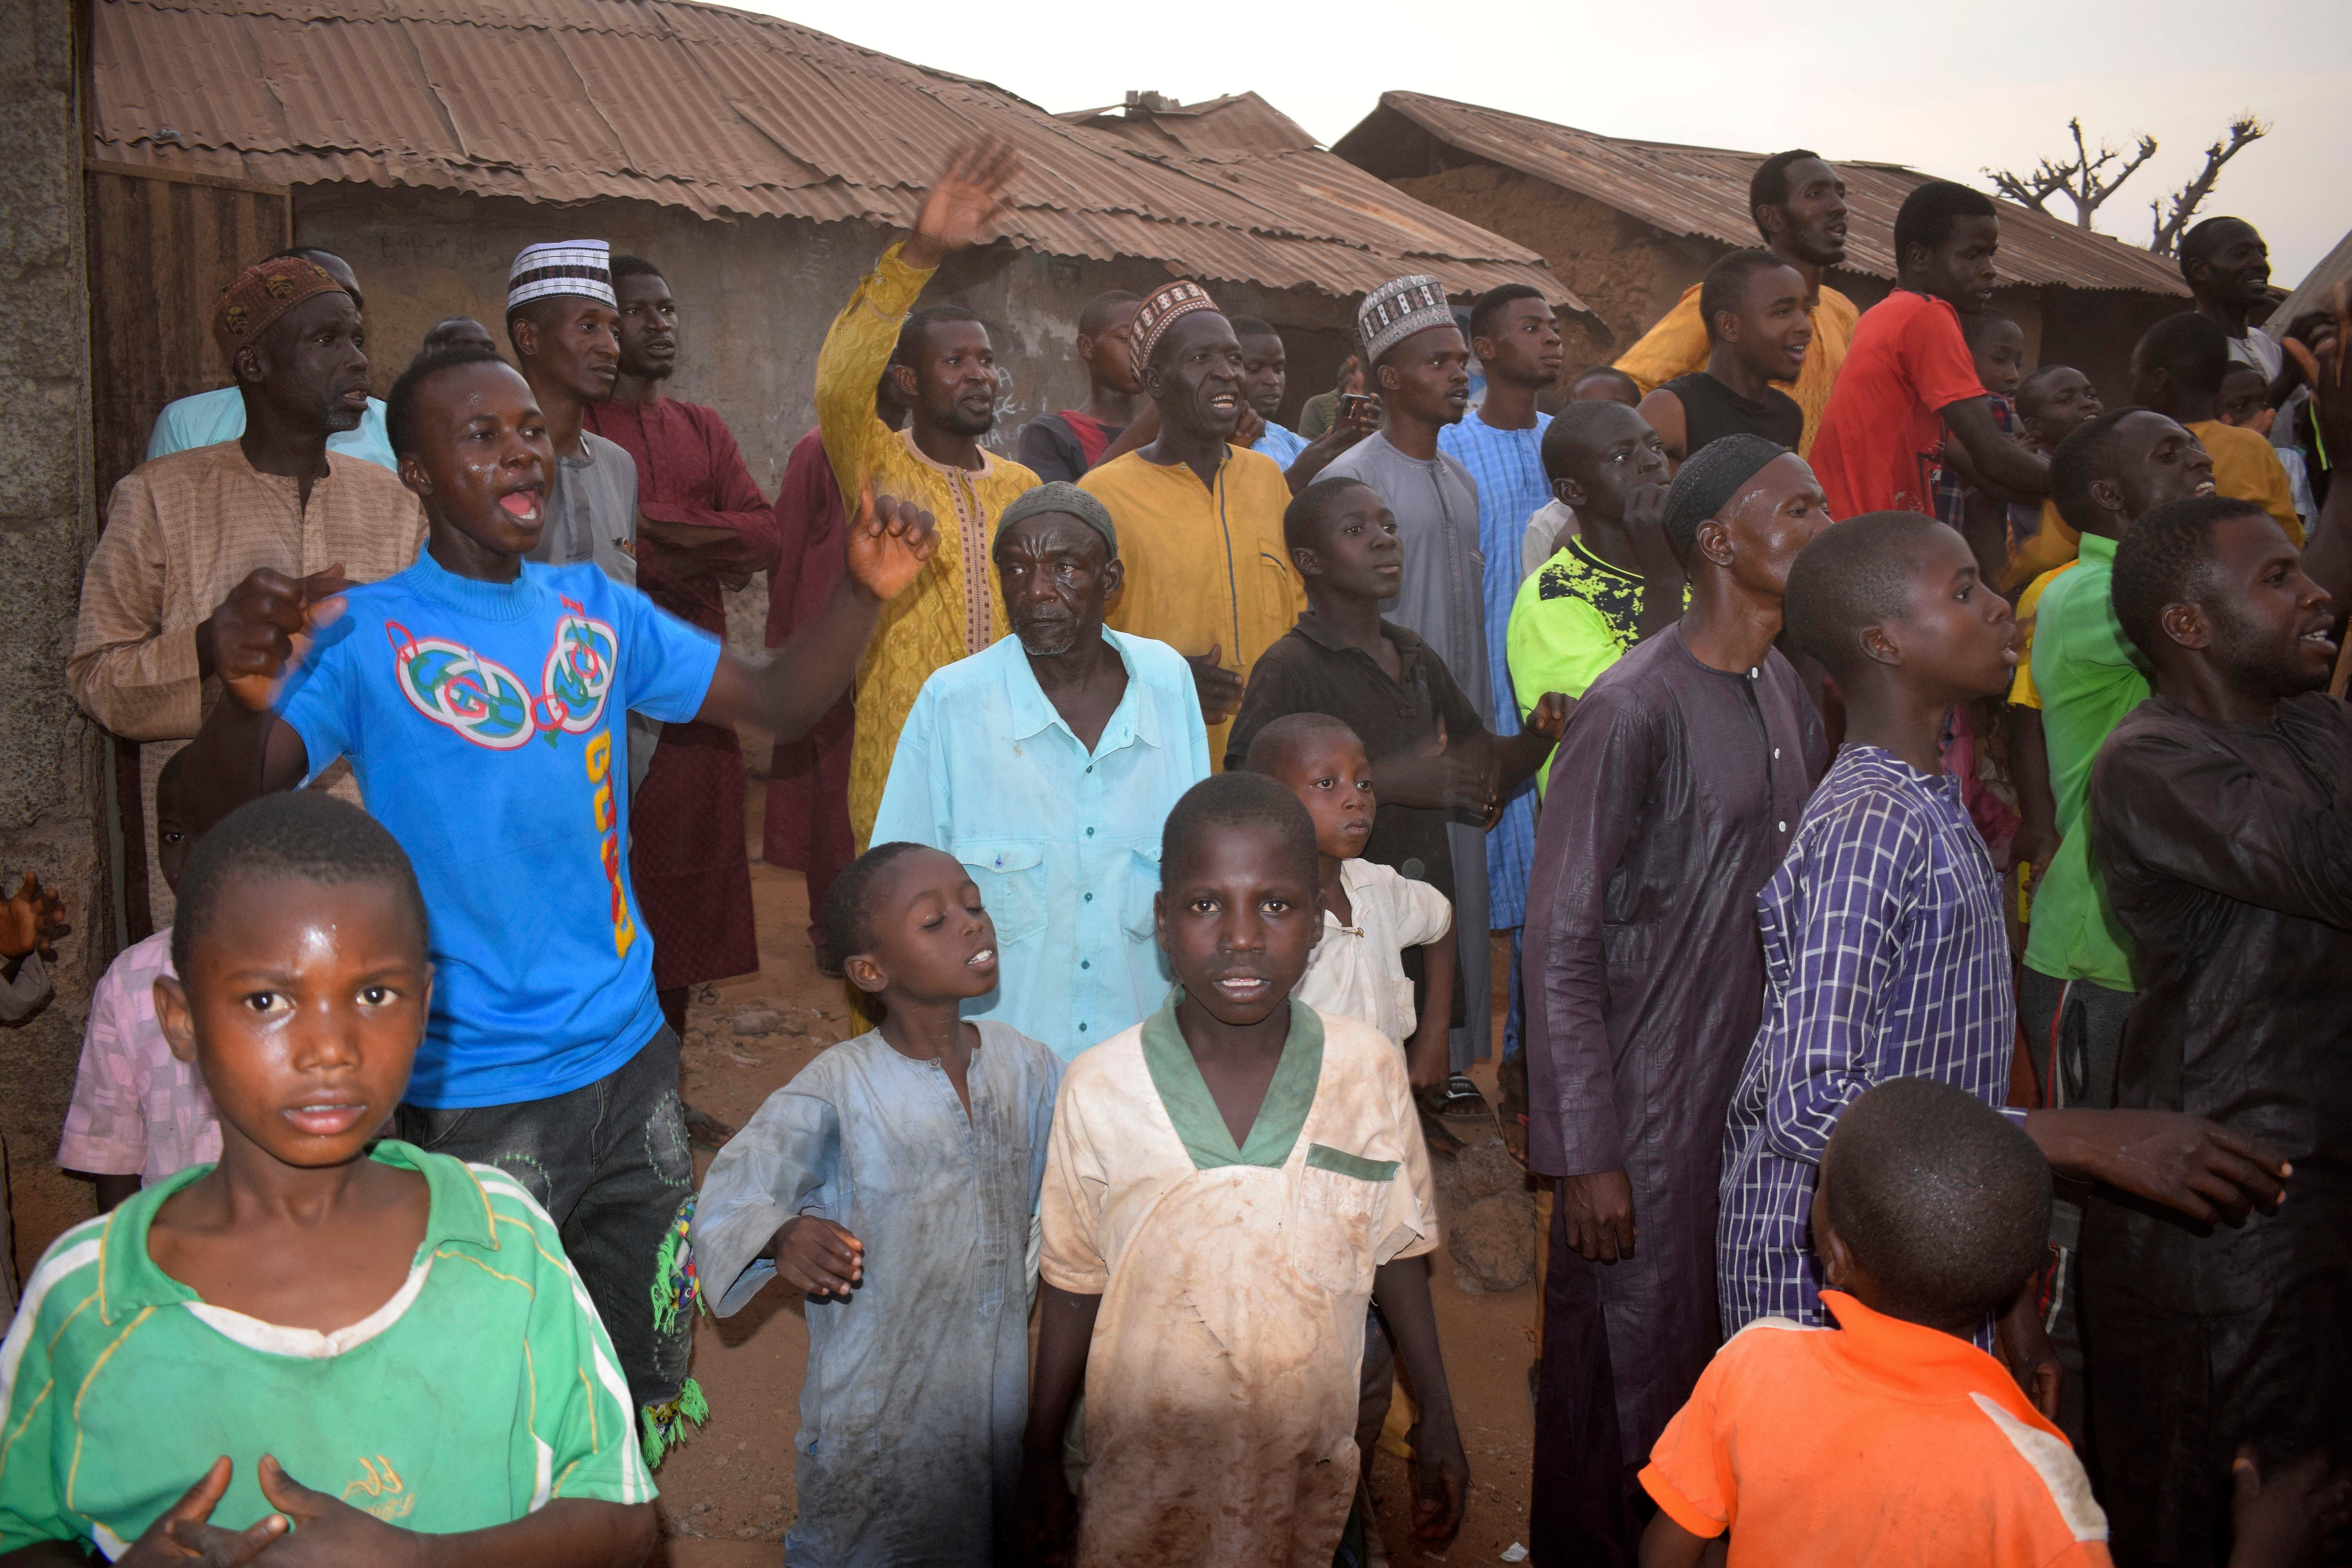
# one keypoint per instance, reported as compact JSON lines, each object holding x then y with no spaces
{"x":1882,"y":434}
{"x":1879,"y":1441}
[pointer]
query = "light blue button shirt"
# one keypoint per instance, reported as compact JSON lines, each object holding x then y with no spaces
{"x":1280,"y":444}
{"x":211,"y":417}
{"x":1064,"y":845}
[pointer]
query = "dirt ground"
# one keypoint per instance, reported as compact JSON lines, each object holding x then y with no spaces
{"x":726,"y":1494}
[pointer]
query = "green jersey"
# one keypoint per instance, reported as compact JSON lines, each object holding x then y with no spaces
{"x":1575,"y":615}
{"x":484,"y":1388}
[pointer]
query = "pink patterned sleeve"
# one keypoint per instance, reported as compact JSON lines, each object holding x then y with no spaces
{"x":106,"y":1131}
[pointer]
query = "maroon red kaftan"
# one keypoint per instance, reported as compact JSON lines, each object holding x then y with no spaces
{"x":808,"y":780}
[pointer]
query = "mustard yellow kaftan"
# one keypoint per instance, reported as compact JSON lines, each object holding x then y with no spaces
{"x":954,"y":608}
{"x":1221,"y":1379}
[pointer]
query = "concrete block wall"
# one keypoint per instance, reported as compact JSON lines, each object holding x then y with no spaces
{"x":52,"y":796}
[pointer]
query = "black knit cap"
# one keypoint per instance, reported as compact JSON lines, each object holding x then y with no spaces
{"x":1710,"y":477}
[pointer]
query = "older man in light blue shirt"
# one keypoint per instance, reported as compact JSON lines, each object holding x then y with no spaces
{"x":1048,"y":764}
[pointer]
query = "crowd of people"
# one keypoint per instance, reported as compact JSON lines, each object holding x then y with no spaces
{"x":1164,"y":799}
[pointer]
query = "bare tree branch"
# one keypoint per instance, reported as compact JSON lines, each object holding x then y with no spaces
{"x":2244,"y":131}
{"x":2080,"y":177}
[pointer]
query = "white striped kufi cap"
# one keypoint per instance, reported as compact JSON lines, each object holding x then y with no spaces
{"x":1398,"y":309}
{"x":582,"y":267}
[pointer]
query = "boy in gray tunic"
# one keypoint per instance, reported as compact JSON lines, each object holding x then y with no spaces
{"x":920,"y":1145}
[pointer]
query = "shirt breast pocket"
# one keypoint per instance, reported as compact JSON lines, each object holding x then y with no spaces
{"x":1334,"y":1209}
{"x":1142,"y":889}
{"x":1011,"y":881}
{"x":1283,"y":595}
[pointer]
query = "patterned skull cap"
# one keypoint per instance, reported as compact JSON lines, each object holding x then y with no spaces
{"x":582,"y":267}
{"x":1165,"y":306}
{"x":1398,"y":309}
{"x":260,"y":294}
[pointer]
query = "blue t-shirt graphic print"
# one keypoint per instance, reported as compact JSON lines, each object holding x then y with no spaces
{"x":485,"y":722}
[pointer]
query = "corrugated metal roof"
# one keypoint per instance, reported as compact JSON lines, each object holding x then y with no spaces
{"x":1703,"y":191}
{"x":1263,"y":157}
{"x":720,"y":111}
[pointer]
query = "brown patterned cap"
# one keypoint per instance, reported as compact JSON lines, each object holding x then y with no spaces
{"x":263,"y":292}
{"x":1166,"y":305}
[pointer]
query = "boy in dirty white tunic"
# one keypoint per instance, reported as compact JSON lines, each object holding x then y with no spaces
{"x":1226,"y":1187}
{"x":893,"y":1180}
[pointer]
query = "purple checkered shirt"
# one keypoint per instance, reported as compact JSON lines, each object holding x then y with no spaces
{"x":1885,"y":956}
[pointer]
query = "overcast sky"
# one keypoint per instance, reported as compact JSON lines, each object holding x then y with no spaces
{"x":1947,"y":91}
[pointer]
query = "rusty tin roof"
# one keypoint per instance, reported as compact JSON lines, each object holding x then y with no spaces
{"x":1703,"y":191}
{"x":725,"y":113}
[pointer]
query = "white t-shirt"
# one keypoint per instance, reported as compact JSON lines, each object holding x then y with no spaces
{"x":1356,"y":971}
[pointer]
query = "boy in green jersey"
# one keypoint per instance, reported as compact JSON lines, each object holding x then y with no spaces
{"x":381,"y":1351}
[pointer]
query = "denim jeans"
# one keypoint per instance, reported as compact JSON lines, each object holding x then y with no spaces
{"x":610,"y":1165}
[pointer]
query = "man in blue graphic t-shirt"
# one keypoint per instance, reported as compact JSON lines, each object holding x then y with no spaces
{"x":482,"y":700}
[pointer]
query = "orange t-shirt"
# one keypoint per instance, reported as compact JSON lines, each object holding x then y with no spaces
{"x":1880,"y":440}
{"x":1879,"y":1442}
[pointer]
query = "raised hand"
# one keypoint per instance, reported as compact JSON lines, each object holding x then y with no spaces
{"x":889,"y":540}
{"x":1220,"y":688}
{"x":33,"y":920}
{"x":818,"y":1256}
{"x":265,"y":627}
{"x":964,"y":205}
{"x":183,"y":1534}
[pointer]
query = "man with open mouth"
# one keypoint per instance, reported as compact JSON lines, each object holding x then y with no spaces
{"x":2218,"y":811}
{"x":1798,"y":201}
{"x":1200,"y":518}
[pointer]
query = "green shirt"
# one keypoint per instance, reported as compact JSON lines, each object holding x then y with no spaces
{"x":484,"y":1388}
{"x":1575,"y":615}
{"x":2088,"y":677}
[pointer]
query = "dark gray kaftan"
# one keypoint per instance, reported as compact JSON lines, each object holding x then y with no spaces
{"x":2227,"y":851}
{"x":1670,"y":804}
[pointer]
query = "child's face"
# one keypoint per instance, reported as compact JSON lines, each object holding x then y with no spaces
{"x":302,"y":1005}
{"x":1238,"y":921}
{"x":932,"y":940}
{"x":171,"y":838}
{"x":1999,"y":352}
{"x":1333,"y":780}
{"x":1955,"y":632}
{"x":2244,"y":399}
{"x":2062,"y":402}
{"x":1356,"y":550}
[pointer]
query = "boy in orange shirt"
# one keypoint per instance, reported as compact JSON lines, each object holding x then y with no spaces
{"x":1892,"y":1439}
